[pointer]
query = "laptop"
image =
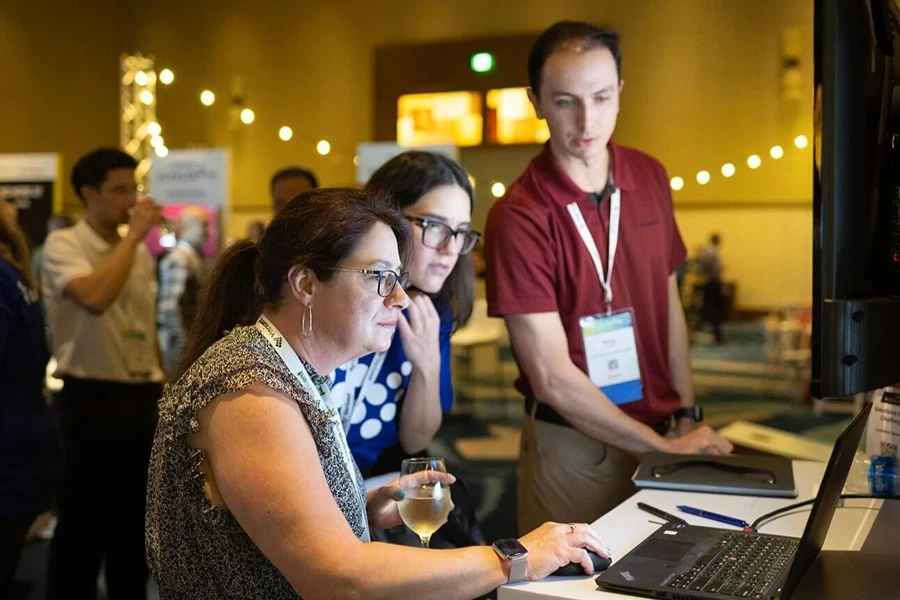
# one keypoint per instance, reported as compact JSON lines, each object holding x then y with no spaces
{"x":686,"y":562}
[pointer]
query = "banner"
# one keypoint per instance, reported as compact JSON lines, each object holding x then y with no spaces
{"x":374,"y":154}
{"x":33,"y":182}
{"x":190,"y":178}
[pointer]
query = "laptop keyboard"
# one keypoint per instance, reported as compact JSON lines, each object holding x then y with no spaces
{"x":743,"y":565}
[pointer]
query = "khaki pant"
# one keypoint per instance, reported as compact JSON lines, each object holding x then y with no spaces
{"x":565,"y":476}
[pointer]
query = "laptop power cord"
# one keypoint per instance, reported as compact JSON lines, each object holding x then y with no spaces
{"x":754,"y":527}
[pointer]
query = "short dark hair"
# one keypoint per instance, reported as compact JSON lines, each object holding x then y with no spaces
{"x":715,"y":238}
{"x":567,"y":33}
{"x":409,"y":176}
{"x":291,"y":172}
{"x":91,"y":169}
{"x":318,"y":229}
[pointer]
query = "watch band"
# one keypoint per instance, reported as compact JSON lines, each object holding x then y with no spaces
{"x":694,"y":412}
{"x":518,"y":569}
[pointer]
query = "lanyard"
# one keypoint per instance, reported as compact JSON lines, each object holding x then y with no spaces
{"x":352,"y":395}
{"x":295,"y":366}
{"x":614,"y":209}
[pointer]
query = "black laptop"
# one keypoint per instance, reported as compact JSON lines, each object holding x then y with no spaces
{"x":685,"y":562}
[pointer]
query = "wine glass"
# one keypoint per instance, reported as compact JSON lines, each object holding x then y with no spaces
{"x":427,"y":502}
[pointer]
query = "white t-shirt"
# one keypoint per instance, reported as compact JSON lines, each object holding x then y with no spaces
{"x":118,"y":345}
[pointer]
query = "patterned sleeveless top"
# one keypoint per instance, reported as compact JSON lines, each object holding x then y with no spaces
{"x":195,"y":549}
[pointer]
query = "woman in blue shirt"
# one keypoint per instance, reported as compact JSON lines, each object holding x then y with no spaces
{"x":393,"y":402}
{"x":30,"y":452}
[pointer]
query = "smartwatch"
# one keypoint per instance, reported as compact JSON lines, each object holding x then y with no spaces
{"x":512,"y":550}
{"x":694,"y":412}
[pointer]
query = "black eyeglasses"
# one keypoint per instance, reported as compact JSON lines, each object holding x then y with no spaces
{"x":437,"y":235}
{"x":387,"y":279}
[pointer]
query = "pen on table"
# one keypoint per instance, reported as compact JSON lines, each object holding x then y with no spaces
{"x":712,"y":516}
{"x":660,"y":513}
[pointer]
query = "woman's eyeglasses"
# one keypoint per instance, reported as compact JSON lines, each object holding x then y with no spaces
{"x":387,"y":279}
{"x":436,"y":235}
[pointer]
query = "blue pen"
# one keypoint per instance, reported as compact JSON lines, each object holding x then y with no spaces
{"x":712,"y":516}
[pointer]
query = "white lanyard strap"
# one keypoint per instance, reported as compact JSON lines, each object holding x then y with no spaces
{"x":354,"y":396}
{"x":295,"y":365}
{"x":615,"y":203}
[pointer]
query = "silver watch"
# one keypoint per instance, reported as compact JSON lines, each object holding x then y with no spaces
{"x":512,"y":550}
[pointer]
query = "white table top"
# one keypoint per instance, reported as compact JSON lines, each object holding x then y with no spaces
{"x":626,"y":526}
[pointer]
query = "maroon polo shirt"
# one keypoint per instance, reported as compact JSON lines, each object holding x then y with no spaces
{"x":537,"y":262}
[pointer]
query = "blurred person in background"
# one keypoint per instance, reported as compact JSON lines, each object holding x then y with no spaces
{"x":255,"y":230}
{"x":288,"y":183}
{"x":100,"y":291}
{"x":393,"y":402}
{"x":709,"y":267}
{"x":182,"y":274}
{"x":31,"y":455}
{"x":37,"y":255}
{"x":11,"y":210}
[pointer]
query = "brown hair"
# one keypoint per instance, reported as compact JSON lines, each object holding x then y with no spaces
{"x":318,"y":229}
{"x":14,"y":248}
{"x":408,"y":177}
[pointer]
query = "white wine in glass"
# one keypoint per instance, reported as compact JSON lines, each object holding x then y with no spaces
{"x":427,"y":502}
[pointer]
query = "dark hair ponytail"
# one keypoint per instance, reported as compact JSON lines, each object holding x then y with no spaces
{"x":232,"y":297}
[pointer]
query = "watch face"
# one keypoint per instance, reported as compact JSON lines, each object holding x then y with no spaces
{"x":510,"y":548}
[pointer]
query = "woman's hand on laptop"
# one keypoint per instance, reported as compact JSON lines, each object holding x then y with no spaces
{"x":702,"y":440}
{"x":555,"y":545}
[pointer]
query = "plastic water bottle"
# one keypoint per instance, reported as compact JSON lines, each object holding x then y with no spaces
{"x":876,"y":475}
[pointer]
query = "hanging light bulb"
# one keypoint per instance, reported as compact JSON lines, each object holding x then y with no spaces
{"x":703,"y":177}
{"x":154,"y":128}
{"x":776,"y":152}
{"x":146,"y":97}
{"x":677,"y":183}
{"x":754,"y":161}
{"x":728,"y":170}
{"x":497,"y":189}
{"x":801,"y":142}
{"x":166,"y":76}
{"x":140,"y":78}
{"x":285,"y":133}
{"x":207,"y":98}
{"x":323,"y":147}
{"x":247,"y":116}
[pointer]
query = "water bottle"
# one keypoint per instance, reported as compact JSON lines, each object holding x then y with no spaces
{"x":875,"y":475}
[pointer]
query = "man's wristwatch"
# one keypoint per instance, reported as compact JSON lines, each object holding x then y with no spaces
{"x":512,"y":550}
{"x":694,"y":412}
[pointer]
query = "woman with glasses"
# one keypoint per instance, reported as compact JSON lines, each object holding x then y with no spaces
{"x":392,"y":402}
{"x":253,"y":492}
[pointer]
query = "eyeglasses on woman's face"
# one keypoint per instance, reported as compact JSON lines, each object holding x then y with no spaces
{"x":388,"y":279}
{"x":437,"y":235}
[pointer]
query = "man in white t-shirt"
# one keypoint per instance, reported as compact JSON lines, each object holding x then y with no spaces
{"x":100,"y":293}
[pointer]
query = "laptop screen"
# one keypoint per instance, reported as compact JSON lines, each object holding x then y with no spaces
{"x":826,"y":501}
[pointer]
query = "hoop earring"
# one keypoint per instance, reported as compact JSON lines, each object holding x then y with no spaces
{"x":306,"y":322}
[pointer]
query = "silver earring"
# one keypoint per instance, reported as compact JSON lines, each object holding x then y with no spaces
{"x":306,"y":322}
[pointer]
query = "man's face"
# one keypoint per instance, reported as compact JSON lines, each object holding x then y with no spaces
{"x":288,"y":188}
{"x":579,"y":97}
{"x":114,"y":198}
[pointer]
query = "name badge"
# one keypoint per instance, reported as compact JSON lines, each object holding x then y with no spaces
{"x":140,"y":357}
{"x":610,"y":348}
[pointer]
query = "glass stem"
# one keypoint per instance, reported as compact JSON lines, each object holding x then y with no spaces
{"x":426,"y":539}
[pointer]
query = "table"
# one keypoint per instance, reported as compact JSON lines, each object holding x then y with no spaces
{"x":626,"y":526}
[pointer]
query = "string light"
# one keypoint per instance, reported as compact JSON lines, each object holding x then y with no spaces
{"x":207,"y":98}
{"x":497,"y":189}
{"x":162,"y":152}
{"x":146,"y":97}
{"x":801,"y":142}
{"x":323,"y":147}
{"x":677,"y":183}
{"x":166,"y":76}
{"x":728,"y":170}
{"x":156,"y":141}
{"x":153,"y":128}
{"x":285,"y":133}
{"x":247,"y":116}
{"x":776,"y":152}
{"x":140,"y":78}
{"x":754,"y":161}
{"x":703,"y":177}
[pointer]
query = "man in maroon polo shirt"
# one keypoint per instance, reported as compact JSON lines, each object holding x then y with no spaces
{"x":581,"y":257}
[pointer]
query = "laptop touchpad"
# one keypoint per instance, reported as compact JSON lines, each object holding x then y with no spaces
{"x":667,"y":550}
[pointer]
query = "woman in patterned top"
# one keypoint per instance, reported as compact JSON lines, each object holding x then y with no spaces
{"x":253,"y":492}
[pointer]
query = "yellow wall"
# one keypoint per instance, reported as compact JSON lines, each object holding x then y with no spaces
{"x":702,"y":87}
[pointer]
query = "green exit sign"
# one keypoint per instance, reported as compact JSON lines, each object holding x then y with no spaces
{"x":482,"y":62}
